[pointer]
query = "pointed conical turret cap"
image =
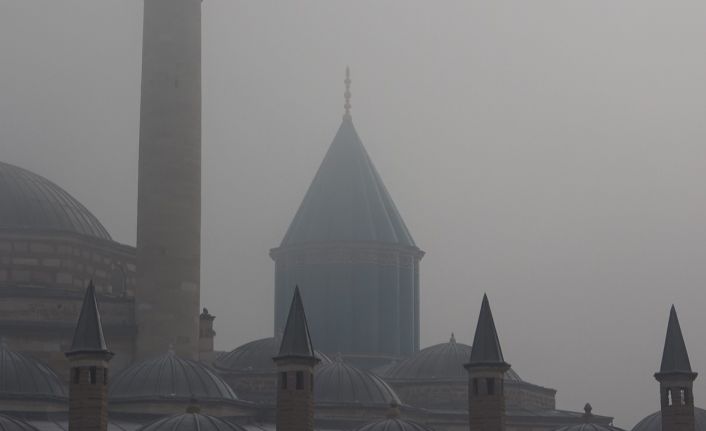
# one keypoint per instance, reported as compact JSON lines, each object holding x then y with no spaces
{"x":296,"y":341}
{"x":675,"y":359}
{"x":486,"y":346}
{"x":88,"y":336}
{"x":347,"y":200}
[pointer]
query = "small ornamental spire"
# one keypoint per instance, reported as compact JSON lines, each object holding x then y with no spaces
{"x":347,"y":94}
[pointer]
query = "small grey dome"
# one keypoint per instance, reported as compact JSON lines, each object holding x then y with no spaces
{"x":8,"y":423}
{"x":441,"y":361}
{"x":22,"y":376}
{"x":341,"y":383}
{"x":171,"y":377}
{"x":29,"y":201}
{"x":190,"y":422}
{"x":653,"y":422}
{"x":588,"y":427}
{"x":255,"y":356}
{"x":394,"y":424}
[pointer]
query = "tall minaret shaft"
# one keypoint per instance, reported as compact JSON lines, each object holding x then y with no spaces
{"x":169,"y":191}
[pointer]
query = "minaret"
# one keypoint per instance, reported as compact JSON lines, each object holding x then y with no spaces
{"x":89,"y":357}
{"x":486,"y":369}
{"x":676,"y":380}
{"x":295,"y":369}
{"x":169,"y":187}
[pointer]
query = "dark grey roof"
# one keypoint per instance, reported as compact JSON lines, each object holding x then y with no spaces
{"x":394,"y":424}
{"x":589,"y":427}
{"x":31,"y":202}
{"x":8,"y":423}
{"x":88,"y":336}
{"x":255,"y":356}
{"x":675,"y":359}
{"x":296,"y":340}
{"x":169,"y":377}
{"x":347,"y":200}
{"x":653,"y":422}
{"x":341,"y":383}
{"x":440,"y":361}
{"x":486,"y":346}
{"x":192,"y":422}
{"x":24,"y":377}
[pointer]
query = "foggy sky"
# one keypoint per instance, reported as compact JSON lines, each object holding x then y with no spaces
{"x":550,"y":153}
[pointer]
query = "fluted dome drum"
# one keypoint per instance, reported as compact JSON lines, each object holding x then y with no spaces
{"x":190,"y":422}
{"x":29,"y":201}
{"x":341,"y":383}
{"x":394,"y":424}
{"x":169,"y":377}
{"x":22,"y":376}
{"x":255,"y":356}
{"x":8,"y":423}
{"x":440,"y":361}
{"x":653,"y":422}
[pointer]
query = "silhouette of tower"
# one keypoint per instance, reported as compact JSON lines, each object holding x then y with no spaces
{"x":169,"y":187}
{"x":676,"y":380}
{"x":88,"y":358}
{"x":486,"y":368}
{"x":295,"y":369}
{"x":354,"y":257}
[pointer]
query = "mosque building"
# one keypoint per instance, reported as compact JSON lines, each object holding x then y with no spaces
{"x":98,"y":335}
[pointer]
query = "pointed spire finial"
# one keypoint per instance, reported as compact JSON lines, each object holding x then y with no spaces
{"x":88,"y":335}
{"x":486,"y":346}
{"x":296,"y":340}
{"x":347,"y":94}
{"x":675,"y":358}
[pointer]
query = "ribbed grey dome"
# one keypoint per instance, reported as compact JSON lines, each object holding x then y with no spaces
{"x":255,"y":356}
{"x":191,"y":422}
{"x":29,"y":201}
{"x":393,"y":424}
{"x":22,"y":376}
{"x":340,"y":383}
{"x":8,"y":423}
{"x":441,"y":361}
{"x":588,"y":427}
{"x":653,"y":422}
{"x":171,"y":377}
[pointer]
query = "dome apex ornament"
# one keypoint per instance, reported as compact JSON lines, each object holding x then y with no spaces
{"x":347,"y":94}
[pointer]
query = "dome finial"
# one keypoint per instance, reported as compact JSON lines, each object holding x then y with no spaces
{"x":587,"y":409}
{"x":453,"y":338}
{"x":347,"y":94}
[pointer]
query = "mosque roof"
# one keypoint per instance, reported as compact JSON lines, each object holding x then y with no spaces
{"x":8,"y":423}
{"x":440,"y":361}
{"x":653,"y":422}
{"x":675,"y":359}
{"x":31,"y":202}
{"x":24,"y":377}
{"x":296,"y":340}
{"x":341,"y":383}
{"x":255,"y":356}
{"x":588,"y":427}
{"x":190,"y":422}
{"x":347,"y":200}
{"x":169,"y":377}
{"x":486,"y":345}
{"x":88,"y":336}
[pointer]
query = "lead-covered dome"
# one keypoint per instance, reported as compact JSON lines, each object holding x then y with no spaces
{"x":589,"y":427}
{"x":22,"y":376}
{"x":169,"y":377}
{"x":31,"y":202}
{"x":190,"y":422}
{"x":653,"y":422}
{"x":341,"y":383}
{"x":394,"y":424}
{"x":255,"y":356}
{"x":440,"y":361}
{"x":8,"y":423}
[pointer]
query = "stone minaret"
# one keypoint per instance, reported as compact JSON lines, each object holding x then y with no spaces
{"x":486,"y":369}
{"x":89,"y":357}
{"x":295,"y":369}
{"x":676,"y":380}
{"x":169,"y":188}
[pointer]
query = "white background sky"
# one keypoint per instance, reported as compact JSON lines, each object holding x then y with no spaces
{"x":550,"y":153}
